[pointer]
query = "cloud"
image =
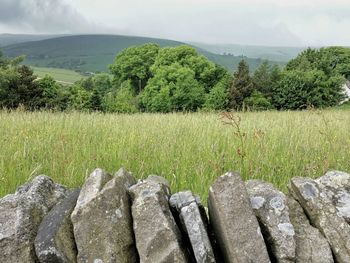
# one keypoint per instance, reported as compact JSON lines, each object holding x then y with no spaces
{"x":44,"y":16}
{"x":255,"y":22}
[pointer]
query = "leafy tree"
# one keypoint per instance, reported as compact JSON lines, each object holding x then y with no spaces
{"x":79,"y":98}
{"x":52,"y":96}
{"x":299,"y":89}
{"x":205,"y":71}
{"x":173,"y":88}
{"x":134,"y":64}
{"x":257,"y":101}
{"x":242,"y":86}
{"x":315,"y":77}
{"x":217,"y":98}
{"x":330,"y":60}
{"x":102,"y":82}
{"x":96,"y":100}
{"x":122,"y":101}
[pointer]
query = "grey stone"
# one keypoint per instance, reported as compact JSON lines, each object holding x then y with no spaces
{"x":234,"y":223}
{"x":158,"y":179}
{"x":323,"y":214}
{"x":158,"y":238}
{"x":55,"y":242}
{"x":271,"y":209}
{"x":311,"y":245}
{"x":20,"y":216}
{"x":336,"y":186}
{"x":194,"y":224}
{"x":102,"y":220}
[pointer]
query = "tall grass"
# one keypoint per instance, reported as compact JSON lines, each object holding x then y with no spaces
{"x":190,"y":150}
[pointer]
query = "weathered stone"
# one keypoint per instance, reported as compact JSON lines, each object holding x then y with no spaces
{"x":158,"y":179}
{"x":20,"y":216}
{"x":102,"y":220}
{"x":323,"y":214}
{"x":271,"y":209}
{"x":193,"y":223}
{"x":158,"y":238}
{"x":311,"y":245}
{"x":55,"y":242}
{"x":234,"y":223}
{"x":336,"y":186}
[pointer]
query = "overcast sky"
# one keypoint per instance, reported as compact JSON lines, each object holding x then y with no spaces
{"x":254,"y":22}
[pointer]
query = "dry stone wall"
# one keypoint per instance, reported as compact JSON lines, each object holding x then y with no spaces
{"x":119,"y":219}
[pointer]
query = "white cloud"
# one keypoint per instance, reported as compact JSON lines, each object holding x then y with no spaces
{"x":260,"y":22}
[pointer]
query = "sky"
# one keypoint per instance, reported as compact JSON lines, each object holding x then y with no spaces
{"x":246,"y":22}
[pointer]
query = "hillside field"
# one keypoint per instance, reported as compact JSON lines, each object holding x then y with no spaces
{"x":93,"y":53}
{"x":63,"y":76}
{"x":190,"y":150}
{"x":283,"y":54}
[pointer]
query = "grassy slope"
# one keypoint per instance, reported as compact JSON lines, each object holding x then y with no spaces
{"x":10,"y":39}
{"x":96,"y":52}
{"x":283,"y":54}
{"x":190,"y":150}
{"x":63,"y":76}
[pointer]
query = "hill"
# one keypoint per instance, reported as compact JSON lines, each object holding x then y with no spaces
{"x":282,"y":54}
{"x":93,"y":53}
{"x":10,"y":39}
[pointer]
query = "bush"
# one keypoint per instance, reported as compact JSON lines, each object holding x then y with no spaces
{"x":257,"y":102}
{"x":312,"y":88}
{"x":122,"y":101}
{"x":217,"y":98}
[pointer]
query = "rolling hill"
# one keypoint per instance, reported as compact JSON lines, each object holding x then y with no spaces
{"x":282,"y":54}
{"x":10,"y":39}
{"x":93,"y":53}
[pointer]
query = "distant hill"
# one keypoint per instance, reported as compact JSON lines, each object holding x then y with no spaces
{"x":92,"y":53}
{"x":282,"y":54}
{"x":10,"y":39}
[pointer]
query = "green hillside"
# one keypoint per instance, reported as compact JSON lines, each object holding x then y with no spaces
{"x":63,"y":76}
{"x":92,"y":53}
{"x":10,"y":39}
{"x":283,"y":54}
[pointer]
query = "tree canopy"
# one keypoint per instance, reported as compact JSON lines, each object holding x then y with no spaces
{"x":154,"y":79}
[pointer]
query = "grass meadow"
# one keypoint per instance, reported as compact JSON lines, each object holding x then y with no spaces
{"x":190,"y":150}
{"x":63,"y":76}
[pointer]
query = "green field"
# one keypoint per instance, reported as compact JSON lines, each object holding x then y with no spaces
{"x":63,"y":76}
{"x":190,"y":150}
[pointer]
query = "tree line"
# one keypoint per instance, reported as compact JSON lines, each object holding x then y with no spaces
{"x":148,"y":78}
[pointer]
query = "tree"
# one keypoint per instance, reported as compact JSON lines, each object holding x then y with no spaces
{"x":217,"y":98}
{"x":299,"y":89}
{"x":96,"y":100}
{"x":134,"y":64}
{"x":314,"y":78}
{"x":121,"y":101}
{"x":261,"y":78}
{"x":205,"y":71}
{"x":79,"y":98}
{"x":52,"y":94}
{"x":173,"y":88}
{"x":102,"y":82}
{"x":330,"y":60}
{"x":22,"y":89}
{"x":257,"y":101}
{"x":242,"y":86}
